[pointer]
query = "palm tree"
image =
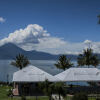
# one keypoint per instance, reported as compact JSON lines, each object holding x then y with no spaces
{"x":51,"y":90}
{"x":60,"y":89}
{"x":88,"y":58}
{"x":99,"y":19}
{"x":20,"y":61}
{"x":47,"y":88}
{"x":63,"y":63}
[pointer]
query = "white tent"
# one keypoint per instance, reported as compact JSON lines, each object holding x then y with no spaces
{"x":79,"y":74}
{"x":32,"y":74}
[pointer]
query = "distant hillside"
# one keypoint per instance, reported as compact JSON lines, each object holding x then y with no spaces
{"x":9,"y":51}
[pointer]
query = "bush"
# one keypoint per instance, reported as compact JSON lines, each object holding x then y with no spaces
{"x":9,"y":93}
{"x":23,"y":98}
{"x":80,"y":96}
{"x":97,"y":98}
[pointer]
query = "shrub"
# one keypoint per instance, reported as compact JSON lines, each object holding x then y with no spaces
{"x":9,"y":93}
{"x":23,"y":98}
{"x":97,"y":98}
{"x":80,"y":96}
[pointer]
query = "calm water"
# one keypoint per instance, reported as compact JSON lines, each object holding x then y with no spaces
{"x":47,"y":65}
{"x":7,"y":69}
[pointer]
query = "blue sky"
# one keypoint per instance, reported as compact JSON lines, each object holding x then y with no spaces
{"x":73,"y":20}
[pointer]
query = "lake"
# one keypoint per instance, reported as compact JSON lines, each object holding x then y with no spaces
{"x":6,"y":69}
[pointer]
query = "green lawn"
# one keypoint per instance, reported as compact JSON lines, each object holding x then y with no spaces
{"x":4,"y":92}
{"x":70,"y":98}
{"x":28,"y":98}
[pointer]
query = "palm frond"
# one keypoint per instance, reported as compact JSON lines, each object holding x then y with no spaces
{"x":20,"y":61}
{"x":88,"y":58}
{"x":64,"y":62}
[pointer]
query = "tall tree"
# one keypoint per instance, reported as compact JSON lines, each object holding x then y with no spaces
{"x":47,"y":88}
{"x":60,"y":89}
{"x":99,"y":19}
{"x":64,"y":62}
{"x":88,"y":58}
{"x":20,"y":61}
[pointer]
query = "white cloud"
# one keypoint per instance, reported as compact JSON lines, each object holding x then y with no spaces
{"x":94,"y":45}
{"x":30,"y":34}
{"x":87,"y":41}
{"x":88,"y":44}
{"x":2,"y":20}
{"x":34,"y":37}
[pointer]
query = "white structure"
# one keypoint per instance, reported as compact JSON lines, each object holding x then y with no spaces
{"x":27,"y":78}
{"x":79,"y":74}
{"x":32,"y":74}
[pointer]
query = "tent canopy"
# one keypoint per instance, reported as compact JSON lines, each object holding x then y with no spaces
{"x":32,"y":74}
{"x":79,"y":74}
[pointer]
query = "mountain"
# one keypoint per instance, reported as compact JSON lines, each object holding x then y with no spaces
{"x":9,"y":51}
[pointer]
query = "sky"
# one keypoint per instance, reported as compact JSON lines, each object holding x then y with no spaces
{"x":53,"y":26}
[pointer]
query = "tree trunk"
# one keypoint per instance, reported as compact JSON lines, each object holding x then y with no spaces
{"x":49,"y":97}
{"x":36,"y":97}
{"x":59,"y":97}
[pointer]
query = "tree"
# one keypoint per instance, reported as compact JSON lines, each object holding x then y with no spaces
{"x":63,"y":63}
{"x":99,"y":19}
{"x":20,"y":61}
{"x":88,"y":58}
{"x":60,"y":89}
{"x":47,"y":88}
{"x":80,"y":96}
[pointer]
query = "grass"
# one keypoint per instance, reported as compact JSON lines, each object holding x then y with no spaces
{"x":70,"y":98}
{"x":28,"y":98}
{"x":4,"y":91}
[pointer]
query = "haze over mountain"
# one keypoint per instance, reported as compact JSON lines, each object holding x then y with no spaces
{"x":9,"y":51}
{"x":49,"y":25}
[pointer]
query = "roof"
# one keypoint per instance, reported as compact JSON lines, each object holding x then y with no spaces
{"x":32,"y":74}
{"x":79,"y":74}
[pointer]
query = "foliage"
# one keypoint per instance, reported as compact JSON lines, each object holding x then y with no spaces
{"x":20,"y":61}
{"x":88,"y":58}
{"x":60,"y":88}
{"x":99,"y":19}
{"x":92,"y":83}
{"x":4,"y":90}
{"x":97,"y":98}
{"x":9,"y":93}
{"x":80,"y":96}
{"x":23,"y":98}
{"x":63,"y":62}
{"x":47,"y":88}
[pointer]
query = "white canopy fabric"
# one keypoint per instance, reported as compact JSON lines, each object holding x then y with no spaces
{"x":79,"y":74}
{"x":32,"y":74}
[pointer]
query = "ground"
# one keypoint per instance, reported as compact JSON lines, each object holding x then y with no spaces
{"x":4,"y":91}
